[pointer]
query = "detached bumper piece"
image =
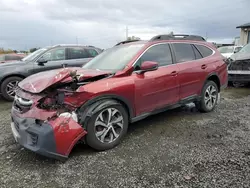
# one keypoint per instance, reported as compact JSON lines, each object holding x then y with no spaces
{"x":36,"y":137}
{"x":53,"y":139}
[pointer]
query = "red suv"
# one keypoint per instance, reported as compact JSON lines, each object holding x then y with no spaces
{"x":52,"y":111}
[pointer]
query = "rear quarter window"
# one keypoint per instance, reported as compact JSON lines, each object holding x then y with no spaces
{"x":205,"y":51}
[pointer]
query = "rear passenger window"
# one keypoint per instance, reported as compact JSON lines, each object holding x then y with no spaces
{"x":159,"y":53}
{"x":183,"y":52}
{"x":196,"y":53}
{"x":78,"y":53}
{"x":10,"y":57}
{"x":92,"y":52}
{"x":205,"y":51}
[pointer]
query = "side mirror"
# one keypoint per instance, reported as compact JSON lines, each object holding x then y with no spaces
{"x":148,"y":66}
{"x":41,"y":61}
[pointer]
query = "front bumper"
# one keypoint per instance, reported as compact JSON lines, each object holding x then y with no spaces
{"x":53,"y":139}
{"x":238,"y":76}
{"x":38,"y":138}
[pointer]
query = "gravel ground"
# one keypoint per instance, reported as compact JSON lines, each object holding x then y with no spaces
{"x":178,"y":148}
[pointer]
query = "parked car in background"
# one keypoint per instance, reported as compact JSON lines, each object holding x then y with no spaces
{"x":5,"y":58}
{"x":123,"y":84}
{"x":227,"y":51}
{"x":239,"y":67}
{"x":42,"y":60}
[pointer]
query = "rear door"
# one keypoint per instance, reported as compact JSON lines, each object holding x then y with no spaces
{"x":191,"y":70}
{"x":156,"y":89}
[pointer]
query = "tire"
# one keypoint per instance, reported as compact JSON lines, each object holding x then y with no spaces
{"x":93,"y":128}
{"x":5,"y":91}
{"x":204,"y":105}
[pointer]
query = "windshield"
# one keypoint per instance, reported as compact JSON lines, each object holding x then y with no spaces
{"x":226,"y":49}
{"x":33,"y":55}
{"x":245,"y":49}
{"x":115,"y":58}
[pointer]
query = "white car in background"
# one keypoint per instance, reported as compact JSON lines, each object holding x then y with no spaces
{"x":227,"y":51}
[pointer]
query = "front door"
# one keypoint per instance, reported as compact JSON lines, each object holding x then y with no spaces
{"x":159,"y":88}
{"x":55,"y":58}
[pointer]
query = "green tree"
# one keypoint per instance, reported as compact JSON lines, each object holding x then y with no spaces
{"x":33,"y":50}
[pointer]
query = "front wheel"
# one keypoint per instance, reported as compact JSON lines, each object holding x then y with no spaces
{"x":107,"y":126}
{"x":8,"y":87}
{"x":209,"y":97}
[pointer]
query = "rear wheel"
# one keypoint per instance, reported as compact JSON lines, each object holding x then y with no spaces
{"x":107,"y":127}
{"x":8,"y":87}
{"x":209,"y":97}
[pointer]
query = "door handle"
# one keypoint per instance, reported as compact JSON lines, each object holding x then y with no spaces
{"x":64,"y":65}
{"x":203,"y":66}
{"x":174,"y":73}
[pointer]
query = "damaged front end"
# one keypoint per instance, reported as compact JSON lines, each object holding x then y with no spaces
{"x":238,"y":71}
{"x":48,"y":122}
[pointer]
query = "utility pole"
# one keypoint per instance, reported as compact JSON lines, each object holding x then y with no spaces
{"x":76,"y":40}
{"x":206,"y":36}
{"x":126,"y":32}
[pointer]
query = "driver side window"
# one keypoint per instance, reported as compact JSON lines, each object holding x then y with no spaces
{"x":159,"y":53}
{"x":54,"y":55}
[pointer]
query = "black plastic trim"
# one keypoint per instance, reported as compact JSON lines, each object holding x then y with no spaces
{"x":177,"y":37}
{"x":186,"y":100}
{"x":114,"y":97}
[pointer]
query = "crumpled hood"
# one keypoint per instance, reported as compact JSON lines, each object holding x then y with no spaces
{"x":38,"y":82}
{"x":240,"y":56}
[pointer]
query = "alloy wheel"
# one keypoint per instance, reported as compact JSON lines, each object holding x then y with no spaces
{"x":11,"y":87}
{"x":109,"y":125}
{"x":210,"y":96}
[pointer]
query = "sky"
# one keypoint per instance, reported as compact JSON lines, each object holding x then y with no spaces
{"x":25,"y":24}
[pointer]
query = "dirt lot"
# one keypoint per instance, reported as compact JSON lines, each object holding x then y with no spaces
{"x":179,"y":148}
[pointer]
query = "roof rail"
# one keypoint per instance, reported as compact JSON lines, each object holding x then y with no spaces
{"x":177,"y":37}
{"x":127,"y":41}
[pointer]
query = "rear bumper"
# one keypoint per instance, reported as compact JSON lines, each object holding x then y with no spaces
{"x":34,"y":136}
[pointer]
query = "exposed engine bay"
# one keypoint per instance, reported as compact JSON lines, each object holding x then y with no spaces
{"x":238,"y":72}
{"x":241,"y":65}
{"x":58,"y":96}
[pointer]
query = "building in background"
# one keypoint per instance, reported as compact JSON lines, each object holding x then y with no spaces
{"x":244,"y":33}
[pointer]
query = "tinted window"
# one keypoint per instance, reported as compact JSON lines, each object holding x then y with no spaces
{"x":160,"y":53}
{"x":196,"y":53}
{"x":12,"y":57}
{"x":183,"y":52}
{"x":205,"y":51}
{"x":92,"y":52}
{"x":78,"y":53}
{"x":55,"y":55}
{"x":2,"y":58}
